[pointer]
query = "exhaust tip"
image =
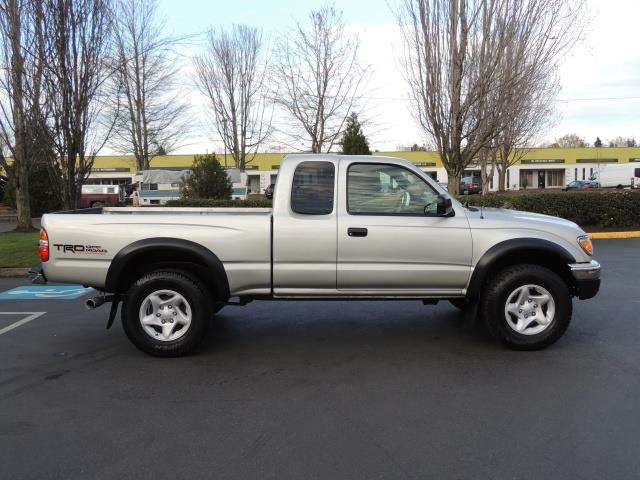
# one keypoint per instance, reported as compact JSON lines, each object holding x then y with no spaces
{"x":94,"y":302}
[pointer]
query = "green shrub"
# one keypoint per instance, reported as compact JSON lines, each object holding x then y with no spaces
{"x":604,"y":208}
{"x":218,"y":203}
{"x":207,"y":179}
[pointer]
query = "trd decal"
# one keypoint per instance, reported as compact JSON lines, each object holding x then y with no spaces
{"x":85,"y":249}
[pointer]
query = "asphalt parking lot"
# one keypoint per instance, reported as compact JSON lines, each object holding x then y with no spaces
{"x":325,"y":390}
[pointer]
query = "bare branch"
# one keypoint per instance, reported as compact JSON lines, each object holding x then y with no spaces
{"x":473,"y":66}
{"x":148,"y":107}
{"x":77,"y":44}
{"x":231,"y":75}
{"x":318,"y":79}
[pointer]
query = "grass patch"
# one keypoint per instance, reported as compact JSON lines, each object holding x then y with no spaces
{"x":18,"y":249}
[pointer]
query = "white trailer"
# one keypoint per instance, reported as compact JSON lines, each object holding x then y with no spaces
{"x":626,"y":175}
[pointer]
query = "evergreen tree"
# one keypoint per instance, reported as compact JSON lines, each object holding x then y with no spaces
{"x":597,"y":143}
{"x":353,"y":141}
{"x":207,"y":179}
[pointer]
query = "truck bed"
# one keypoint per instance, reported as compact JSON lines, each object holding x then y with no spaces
{"x":82,"y":246}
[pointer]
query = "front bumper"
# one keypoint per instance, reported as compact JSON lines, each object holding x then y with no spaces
{"x":586,"y":278}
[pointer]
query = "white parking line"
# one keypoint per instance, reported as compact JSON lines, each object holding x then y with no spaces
{"x":30,"y":316}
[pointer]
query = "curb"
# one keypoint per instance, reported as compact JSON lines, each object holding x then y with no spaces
{"x":610,"y":235}
{"x":14,"y":272}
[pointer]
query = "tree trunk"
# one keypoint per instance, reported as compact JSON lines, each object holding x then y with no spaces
{"x":23,"y":204}
{"x":502,"y":179}
{"x":453,"y":182}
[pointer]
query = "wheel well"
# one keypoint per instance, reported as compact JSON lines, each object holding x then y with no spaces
{"x":137,"y":264}
{"x":544,"y":258}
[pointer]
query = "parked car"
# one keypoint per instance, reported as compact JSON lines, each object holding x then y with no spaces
{"x":471,"y":185}
{"x":444,"y":185}
{"x":239,"y":193}
{"x":581,"y":185}
{"x":341,"y":227}
{"x":268,"y":192}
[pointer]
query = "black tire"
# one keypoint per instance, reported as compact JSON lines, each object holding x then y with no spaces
{"x":217,"y":307}
{"x":500,"y":287}
{"x":462,"y":304}
{"x":194,"y":294}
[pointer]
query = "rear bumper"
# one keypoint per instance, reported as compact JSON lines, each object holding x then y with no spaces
{"x":587,"y":279}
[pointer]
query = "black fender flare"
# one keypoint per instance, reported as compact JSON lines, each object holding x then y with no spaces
{"x":204,"y":257}
{"x":508,"y":247}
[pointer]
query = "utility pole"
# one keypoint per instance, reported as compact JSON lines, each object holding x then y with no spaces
{"x":224,"y":129}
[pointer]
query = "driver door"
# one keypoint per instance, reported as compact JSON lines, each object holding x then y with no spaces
{"x":390,"y":240}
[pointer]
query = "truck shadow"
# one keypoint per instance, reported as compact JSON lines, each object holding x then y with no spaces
{"x":352,"y":324}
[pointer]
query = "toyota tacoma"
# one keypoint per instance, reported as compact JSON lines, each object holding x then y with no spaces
{"x":341,"y":228}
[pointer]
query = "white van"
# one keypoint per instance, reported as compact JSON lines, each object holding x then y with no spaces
{"x":626,"y":175}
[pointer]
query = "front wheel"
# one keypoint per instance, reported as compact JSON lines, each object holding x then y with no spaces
{"x":166,"y":313}
{"x":527,"y":307}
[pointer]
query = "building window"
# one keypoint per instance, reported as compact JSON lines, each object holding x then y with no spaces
{"x":555,"y":178}
{"x":583,"y":173}
{"x":526,"y":179}
{"x":575,"y":174}
{"x":312,"y":189}
{"x":508,"y":178}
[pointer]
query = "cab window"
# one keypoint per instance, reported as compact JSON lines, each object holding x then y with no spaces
{"x":312,"y":188}
{"x":379,"y":189}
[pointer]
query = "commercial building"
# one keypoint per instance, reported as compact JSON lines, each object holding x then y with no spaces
{"x":537,"y":168}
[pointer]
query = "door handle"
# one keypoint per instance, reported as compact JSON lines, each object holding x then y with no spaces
{"x":357,"y":232}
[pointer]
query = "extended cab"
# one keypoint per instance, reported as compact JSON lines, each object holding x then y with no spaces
{"x":341,"y":227}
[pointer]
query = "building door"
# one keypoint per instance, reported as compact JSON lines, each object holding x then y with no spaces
{"x":541,"y":178}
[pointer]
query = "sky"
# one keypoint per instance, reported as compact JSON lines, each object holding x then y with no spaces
{"x":600,"y":79}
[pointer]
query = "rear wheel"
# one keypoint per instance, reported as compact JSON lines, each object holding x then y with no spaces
{"x":527,"y":307}
{"x":166,"y":313}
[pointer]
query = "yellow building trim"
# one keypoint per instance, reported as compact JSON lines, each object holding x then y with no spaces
{"x":430,"y":159}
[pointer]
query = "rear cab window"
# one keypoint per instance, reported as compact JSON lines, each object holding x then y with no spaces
{"x":313,"y":187}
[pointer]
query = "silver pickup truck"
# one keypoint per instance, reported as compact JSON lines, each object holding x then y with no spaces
{"x":341,"y":227}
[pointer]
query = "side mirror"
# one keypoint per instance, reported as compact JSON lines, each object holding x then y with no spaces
{"x":444,"y":207}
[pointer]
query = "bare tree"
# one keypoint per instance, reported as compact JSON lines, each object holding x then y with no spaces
{"x":621,"y":141}
{"x":150,"y":112}
{"x":570,"y":140}
{"x":21,"y":119}
{"x":78,"y":39}
{"x":464,"y":63}
{"x":231,"y":75}
{"x":319,"y":79}
{"x":528,"y":109}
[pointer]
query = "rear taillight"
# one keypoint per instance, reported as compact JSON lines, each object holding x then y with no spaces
{"x":43,"y":245}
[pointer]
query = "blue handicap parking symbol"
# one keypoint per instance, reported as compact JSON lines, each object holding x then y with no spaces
{"x":45,"y":292}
